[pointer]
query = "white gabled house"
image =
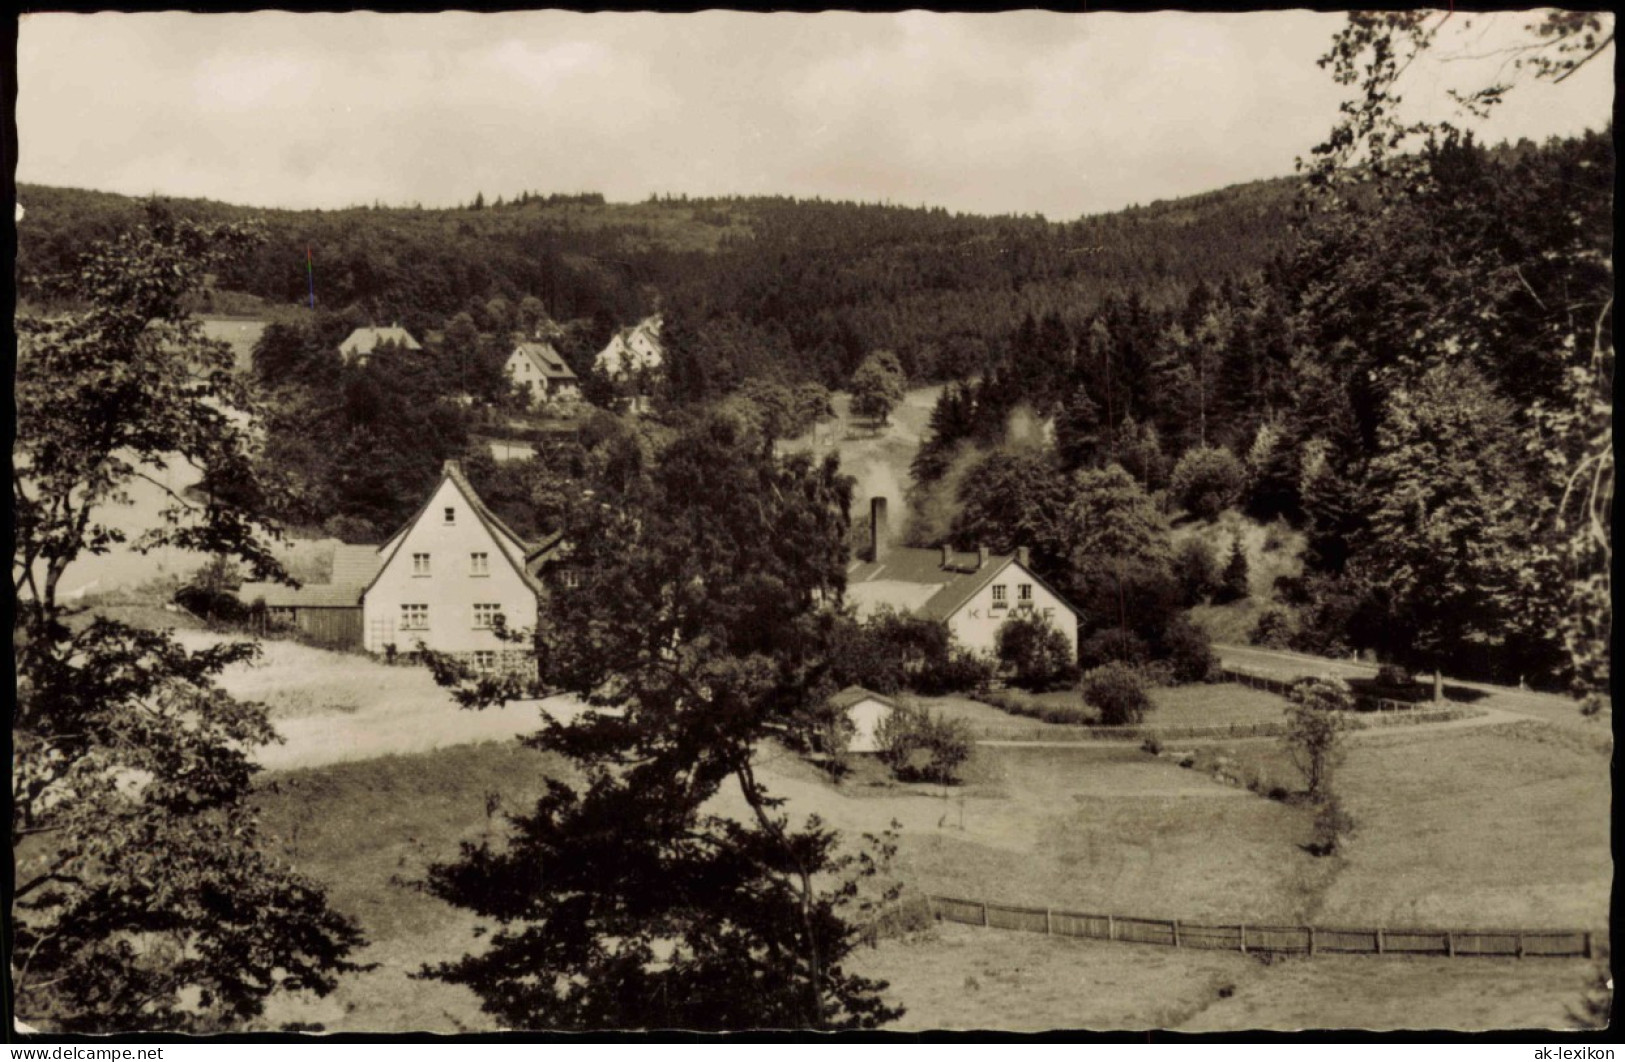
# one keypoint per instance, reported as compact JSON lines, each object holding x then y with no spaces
{"x":537,"y":364}
{"x":631,"y":359}
{"x":973,"y":593}
{"x":360,"y":344}
{"x":445,"y":578}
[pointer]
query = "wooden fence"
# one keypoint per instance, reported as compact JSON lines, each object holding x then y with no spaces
{"x":1363,"y":702}
{"x":1302,"y":940}
{"x":1058,"y":732}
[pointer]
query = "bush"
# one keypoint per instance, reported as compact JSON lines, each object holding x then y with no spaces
{"x":1275,"y":629}
{"x":1113,"y":645}
{"x":1316,"y":718}
{"x":1208,"y":480}
{"x":1017,"y":703}
{"x":1037,"y":653}
{"x":1233,"y":583}
{"x":1333,"y":826}
{"x":1118,"y":692}
{"x":919,"y":746}
{"x":1394,"y":675}
{"x":212,"y":604}
{"x":1197,"y":570}
{"x":964,"y":671}
{"x":1190,"y":652}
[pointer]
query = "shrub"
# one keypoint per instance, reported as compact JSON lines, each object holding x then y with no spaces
{"x":1207,"y":481}
{"x":1190,"y":652}
{"x":1394,"y":675}
{"x":1113,"y":645}
{"x":919,"y":746}
{"x":1233,"y":583}
{"x":1275,"y":629}
{"x":212,"y":604}
{"x":1315,"y":721}
{"x":1118,"y":692}
{"x":1037,"y":653}
{"x":1017,"y":703}
{"x":1333,"y":826}
{"x":1196,"y":569}
{"x":963,"y":671}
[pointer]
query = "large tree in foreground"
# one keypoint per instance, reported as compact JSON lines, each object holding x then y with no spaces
{"x":664,"y":887}
{"x":143,"y":897}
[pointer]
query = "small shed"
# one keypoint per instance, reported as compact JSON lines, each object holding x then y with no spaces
{"x":867,"y":710}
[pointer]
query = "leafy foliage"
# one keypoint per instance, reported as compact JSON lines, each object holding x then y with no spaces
{"x":1036,"y":652}
{"x":144,"y":896}
{"x":920,"y":746}
{"x":697,"y":630}
{"x":1316,"y":719}
{"x":1118,"y":692}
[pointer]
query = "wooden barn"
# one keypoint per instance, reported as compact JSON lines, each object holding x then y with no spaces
{"x":328,"y":612}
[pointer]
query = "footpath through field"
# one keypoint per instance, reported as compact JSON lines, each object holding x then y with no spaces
{"x":1547,"y":707}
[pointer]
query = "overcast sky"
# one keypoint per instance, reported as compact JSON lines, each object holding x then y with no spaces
{"x":1023,"y":112}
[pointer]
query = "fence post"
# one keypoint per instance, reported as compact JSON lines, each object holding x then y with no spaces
{"x":984,"y":912}
{"x":1587,"y":944}
{"x":1450,"y":943}
{"x":1049,"y":928}
{"x":1520,"y":945}
{"x":1311,"y":940}
{"x":1379,"y":942}
{"x":1243,"y":929}
{"x":1111,"y":928}
{"x":1175,"y":924}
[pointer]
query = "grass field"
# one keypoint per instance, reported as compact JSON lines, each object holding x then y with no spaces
{"x":962,"y":977}
{"x":1202,"y":704}
{"x":1493,"y":825}
{"x":1136,"y":836}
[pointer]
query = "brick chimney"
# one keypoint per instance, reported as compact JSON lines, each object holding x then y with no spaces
{"x":1024,"y":556}
{"x":981,"y":557}
{"x":879,"y":529}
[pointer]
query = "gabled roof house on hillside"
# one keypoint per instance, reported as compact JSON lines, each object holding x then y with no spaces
{"x":973,"y":593}
{"x":538,"y":364}
{"x":631,"y":357}
{"x":448,"y":579}
{"x":361,"y":343}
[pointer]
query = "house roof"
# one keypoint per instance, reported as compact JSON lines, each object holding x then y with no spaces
{"x":620,"y":354}
{"x":547,"y":360}
{"x":917,"y":581}
{"x":353,"y":569}
{"x":363,"y":340}
{"x":355,"y":564}
{"x":514,"y":548}
{"x":856,"y":695}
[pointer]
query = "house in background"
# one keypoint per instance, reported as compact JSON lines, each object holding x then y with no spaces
{"x":330,"y":612}
{"x":631,"y":359}
{"x":973,"y":593}
{"x":361,"y":343}
{"x":867,"y":711}
{"x":445,"y":578}
{"x":536,"y":363}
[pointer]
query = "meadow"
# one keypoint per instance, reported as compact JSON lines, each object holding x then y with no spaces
{"x":1512,"y":818}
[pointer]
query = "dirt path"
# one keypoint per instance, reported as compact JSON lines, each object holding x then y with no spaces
{"x":1547,"y":707}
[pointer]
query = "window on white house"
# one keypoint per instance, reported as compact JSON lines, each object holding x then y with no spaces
{"x":485,"y":616}
{"x":451,"y":515}
{"x":420,"y":564}
{"x":1001,"y":595}
{"x":479,"y":564}
{"x":1024,"y":592}
{"x":414,"y":617}
{"x":485,"y":659}
{"x":570,"y":579}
